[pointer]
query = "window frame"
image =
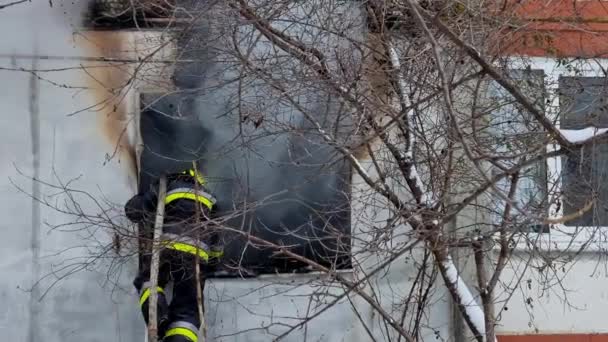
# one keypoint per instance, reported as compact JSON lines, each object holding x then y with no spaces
{"x":559,"y":236}
{"x":137,"y":105}
{"x":496,"y":217}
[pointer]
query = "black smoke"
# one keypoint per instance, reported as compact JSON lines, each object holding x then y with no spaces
{"x":255,"y":148}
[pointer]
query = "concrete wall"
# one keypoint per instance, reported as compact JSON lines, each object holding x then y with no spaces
{"x":571,"y":300}
{"x":51,"y":288}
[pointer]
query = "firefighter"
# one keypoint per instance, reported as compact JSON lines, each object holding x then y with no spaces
{"x":185,"y":239}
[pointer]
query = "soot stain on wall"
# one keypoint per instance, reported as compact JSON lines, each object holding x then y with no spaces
{"x":107,"y":82}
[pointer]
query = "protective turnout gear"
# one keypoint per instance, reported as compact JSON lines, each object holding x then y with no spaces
{"x":185,"y":240}
{"x":162,"y":308}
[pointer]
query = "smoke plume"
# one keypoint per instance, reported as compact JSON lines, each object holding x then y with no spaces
{"x":255,"y":147}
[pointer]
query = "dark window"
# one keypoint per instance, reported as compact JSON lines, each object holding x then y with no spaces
{"x":301,"y":193}
{"x":514,"y":132}
{"x":125,"y":14}
{"x":584,"y":103}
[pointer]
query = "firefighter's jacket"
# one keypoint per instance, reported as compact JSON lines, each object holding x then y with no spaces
{"x":187,"y":207}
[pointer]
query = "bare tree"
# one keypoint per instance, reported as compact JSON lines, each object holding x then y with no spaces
{"x":434,"y":121}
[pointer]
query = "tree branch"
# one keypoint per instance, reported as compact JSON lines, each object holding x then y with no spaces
{"x":538,"y":114}
{"x":158,"y":228}
{"x":13,"y":3}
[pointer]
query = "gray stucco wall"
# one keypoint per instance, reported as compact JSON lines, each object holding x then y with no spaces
{"x":40,"y":246}
{"x":72,"y":298}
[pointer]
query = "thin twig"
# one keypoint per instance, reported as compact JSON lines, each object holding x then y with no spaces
{"x":504,"y":238}
{"x":12,"y":3}
{"x":96,"y":59}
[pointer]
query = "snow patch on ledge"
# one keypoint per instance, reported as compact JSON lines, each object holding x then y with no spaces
{"x":581,"y":135}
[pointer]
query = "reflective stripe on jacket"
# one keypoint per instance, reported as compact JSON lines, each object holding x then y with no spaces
{"x":190,"y":245}
{"x":192,"y":194}
{"x":145,"y":292}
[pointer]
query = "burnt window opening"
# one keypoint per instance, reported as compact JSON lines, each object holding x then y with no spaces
{"x":311,"y":214}
{"x":128,"y":14}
